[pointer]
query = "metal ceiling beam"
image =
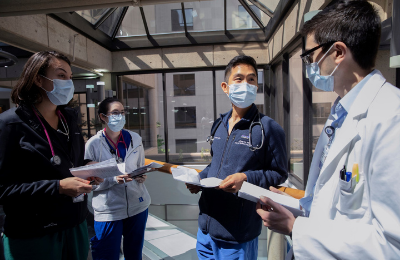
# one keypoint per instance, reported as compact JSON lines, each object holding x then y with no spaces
{"x":280,"y":11}
{"x":120,"y":19}
{"x":29,"y":7}
{"x":104,"y":17}
{"x":252,"y":14}
{"x":184,"y":17}
{"x":146,"y":28}
{"x":187,"y":34}
{"x":262,"y":7}
{"x":225,"y":17}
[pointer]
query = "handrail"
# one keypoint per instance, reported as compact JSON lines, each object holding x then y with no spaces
{"x":298,"y":194}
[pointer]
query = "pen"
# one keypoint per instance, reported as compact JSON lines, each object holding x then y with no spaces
{"x":348,"y":176}
{"x":343,"y":173}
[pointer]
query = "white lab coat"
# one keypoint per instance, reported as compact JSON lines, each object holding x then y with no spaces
{"x":361,"y":221}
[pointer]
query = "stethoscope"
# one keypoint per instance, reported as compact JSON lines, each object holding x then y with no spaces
{"x":116,"y":151}
{"x":253,"y":124}
{"x":55,"y":159}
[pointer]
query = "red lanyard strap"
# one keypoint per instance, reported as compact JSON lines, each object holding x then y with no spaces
{"x":118,"y":141}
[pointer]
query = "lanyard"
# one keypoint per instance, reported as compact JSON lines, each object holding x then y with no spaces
{"x":55,"y":160}
{"x":118,"y":141}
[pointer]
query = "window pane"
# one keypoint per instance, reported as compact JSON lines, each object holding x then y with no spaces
{"x":185,"y":117}
{"x":92,"y":15}
{"x":159,"y":17}
{"x":146,"y":120}
{"x":264,"y":18}
{"x":177,"y":21}
{"x":239,"y":18}
{"x":190,"y":117}
{"x":270,"y":4}
{"x":206,"y":15}
{"x":111,"y":22}
{"x":244,"y":19}
{"x":186,"y":145}
{"x":184,"y":85}
{"x":223,"y":102}
{"x":296,"y":115}
{"x":132,"y":23}
{"x":260,"y":77}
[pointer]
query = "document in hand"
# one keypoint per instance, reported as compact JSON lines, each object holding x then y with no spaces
{"x":104,"y":169}
{"x":252,"y":192}
{"x":191,"y":176}
{"x":145,"y":169}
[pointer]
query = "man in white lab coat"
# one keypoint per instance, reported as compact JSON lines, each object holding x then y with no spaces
{"x":348,"y":217}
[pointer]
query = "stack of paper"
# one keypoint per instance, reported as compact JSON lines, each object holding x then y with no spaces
{"x":104,"y":169}
{"x":252,"y":192}
{"x":109,"y":168}
{"x":191,"y":176}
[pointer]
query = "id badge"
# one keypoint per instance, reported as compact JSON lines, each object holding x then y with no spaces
{"x":323,"y":156}
{"x":79,"y":198}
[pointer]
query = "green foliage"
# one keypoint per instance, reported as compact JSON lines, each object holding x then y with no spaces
{"x":160,"y":143}
{"x":205,"y":156}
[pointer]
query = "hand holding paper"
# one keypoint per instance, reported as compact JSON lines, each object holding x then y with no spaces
{"x":275,"y":216}
{"x":233,"y":182}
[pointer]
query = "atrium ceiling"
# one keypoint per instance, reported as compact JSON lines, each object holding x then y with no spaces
{"x":193,"y":23}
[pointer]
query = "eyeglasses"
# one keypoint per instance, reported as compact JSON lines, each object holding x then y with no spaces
{"x":305,"y":57}
{"x":116,"y":113}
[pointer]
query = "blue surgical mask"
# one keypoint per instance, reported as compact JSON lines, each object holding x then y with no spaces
{"x":116,"y":123}
{"x":242,"y":95}
{"x":62,"y":93}
{"x":325,"y":83}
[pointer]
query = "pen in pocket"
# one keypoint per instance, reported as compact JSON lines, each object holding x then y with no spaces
{"x":343,"y":173}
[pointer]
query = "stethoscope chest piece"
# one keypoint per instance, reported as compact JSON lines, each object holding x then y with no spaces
{"x":55,"y":160}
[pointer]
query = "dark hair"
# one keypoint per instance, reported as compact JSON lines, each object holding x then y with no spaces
{"x":241,"y":59}
{"x":355,"y":23}
{"x":37,"y":64}
{"x":104,"y":106}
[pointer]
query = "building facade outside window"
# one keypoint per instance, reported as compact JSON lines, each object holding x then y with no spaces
{"x":186,"y":145}
{"x":245,"y":20}
{"x":177,"y":22}
{"x":185,"y":117}
{"x":184,"y":85}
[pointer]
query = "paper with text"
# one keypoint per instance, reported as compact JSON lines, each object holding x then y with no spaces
{"x":102,"y":170}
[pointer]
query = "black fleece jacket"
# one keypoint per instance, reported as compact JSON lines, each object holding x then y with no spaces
{"x":29,"y":183}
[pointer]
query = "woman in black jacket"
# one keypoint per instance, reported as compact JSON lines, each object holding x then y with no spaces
{"x":45,"y":205}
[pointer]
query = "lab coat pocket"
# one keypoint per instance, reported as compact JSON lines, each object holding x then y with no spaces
{"x":352,"y":198}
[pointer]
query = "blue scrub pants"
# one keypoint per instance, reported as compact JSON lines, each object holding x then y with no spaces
{"x":106,"y":244}
{"x":207,"y":248}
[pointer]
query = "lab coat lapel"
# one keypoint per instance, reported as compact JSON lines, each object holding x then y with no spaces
{"x":349,"y":131}
{"x":314,"y":169}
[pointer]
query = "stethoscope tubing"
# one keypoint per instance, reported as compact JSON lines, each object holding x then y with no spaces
{"x":251,"y":147}
{"x":45,"y":131}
